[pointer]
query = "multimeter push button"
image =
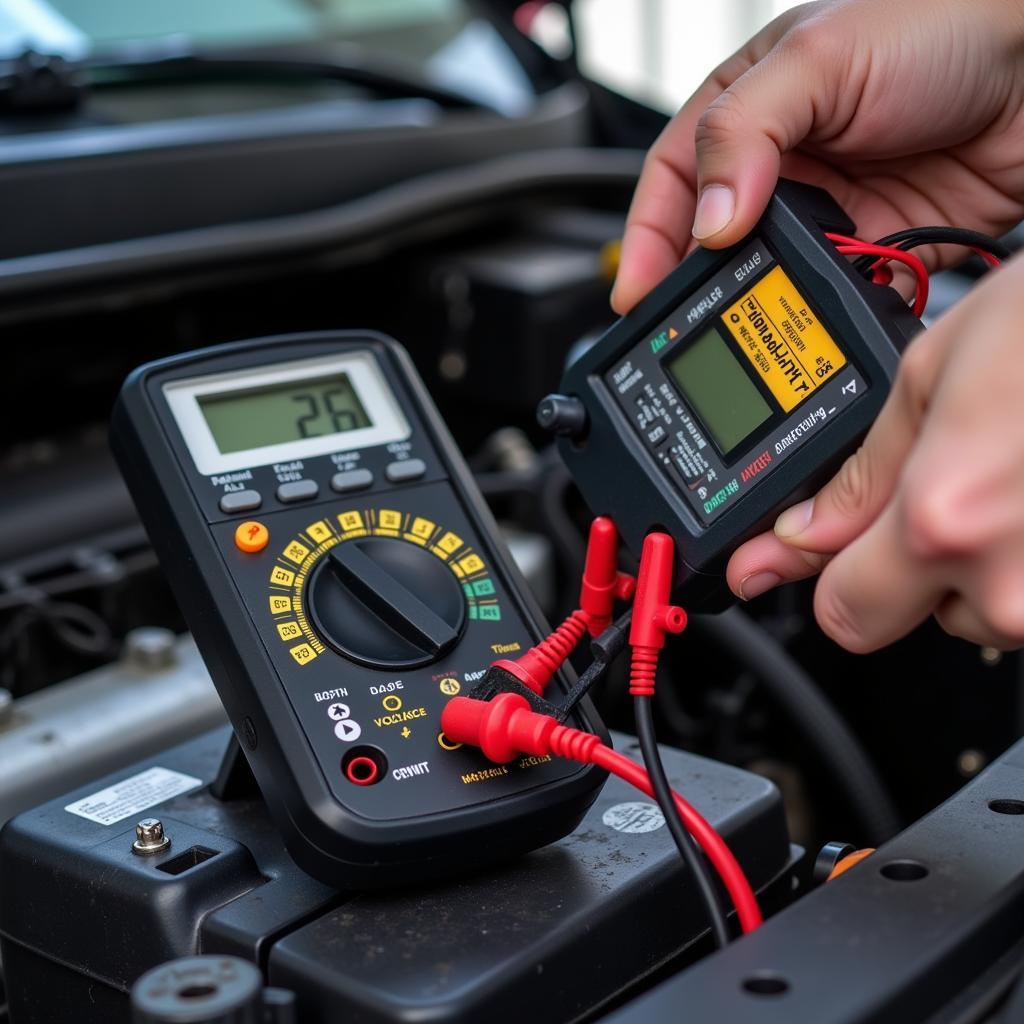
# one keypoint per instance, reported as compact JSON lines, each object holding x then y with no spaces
{"x":240,"y":501}
{"x":251,"y":537}
{"x":298,"y":490}
{"x":408,"y":469}
{"x":351,"y":480}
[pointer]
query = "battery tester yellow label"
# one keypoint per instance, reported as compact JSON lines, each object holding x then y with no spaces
{"x":783,"y":339}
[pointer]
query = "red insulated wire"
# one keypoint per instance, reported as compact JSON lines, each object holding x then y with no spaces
{"x":506,"y":727}
{"x":653,"y":618}
{"x":989,"y":258}
{"x":847,"y":246}
{"x":713,"y":845}
{"x":538,"y":665}
{"x":643,"y":668}
{"x":556,"y":647}
{"x":601,"y":587}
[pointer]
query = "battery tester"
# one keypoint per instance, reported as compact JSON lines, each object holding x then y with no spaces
{"x":740,"y":383}
{"x":345,"y":584}
{"x":735,"y":389}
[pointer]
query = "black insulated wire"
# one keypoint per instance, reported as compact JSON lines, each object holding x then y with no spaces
{"x":688,"y":849}
{"x":913,"y":237}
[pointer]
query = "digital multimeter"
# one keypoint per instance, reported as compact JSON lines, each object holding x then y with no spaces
{"x":343,"y":579}
{"x":734,"y":389}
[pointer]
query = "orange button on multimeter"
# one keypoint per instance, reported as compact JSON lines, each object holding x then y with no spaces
{"x":251,"y":537}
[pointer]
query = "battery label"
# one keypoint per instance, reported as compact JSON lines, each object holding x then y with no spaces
{"x":132,"y":795}
{"x":784,"y":341}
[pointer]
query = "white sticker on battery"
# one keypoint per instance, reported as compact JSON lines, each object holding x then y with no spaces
{"x":633,"y":818}
{"x":132,"y":795}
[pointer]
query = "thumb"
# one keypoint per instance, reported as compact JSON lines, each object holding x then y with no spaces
{"x":742,"y":134}
{"x":851,"y":501}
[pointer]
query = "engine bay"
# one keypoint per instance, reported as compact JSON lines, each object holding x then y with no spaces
{"x":490,"y":259}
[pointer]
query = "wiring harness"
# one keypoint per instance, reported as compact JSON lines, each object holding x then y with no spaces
{"x":507,"y":717}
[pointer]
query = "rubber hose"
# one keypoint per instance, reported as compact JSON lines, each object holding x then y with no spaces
{"x":818,"y":721}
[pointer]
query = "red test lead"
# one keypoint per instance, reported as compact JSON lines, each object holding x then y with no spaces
{"x":602,"y":586}
{"x":506,"y":727}
{"x":653,"y":616}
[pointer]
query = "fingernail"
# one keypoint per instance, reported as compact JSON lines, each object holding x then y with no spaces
{"x":757,"y":584}
{"x":715,"y":209}
{"x":794,"y":520}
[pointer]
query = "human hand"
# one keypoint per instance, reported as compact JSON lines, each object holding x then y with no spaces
{"x":927,"y":517}
{"x":907,"y":113}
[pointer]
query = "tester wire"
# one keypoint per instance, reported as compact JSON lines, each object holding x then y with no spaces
{"x":874,"y":257}
{"x":676,"y":821}
{"x":507,"y":717}
{"x":714,"y":846}
{"x":991,"y":250}
{"x":847,"y":246}
{"x":506,"y":727}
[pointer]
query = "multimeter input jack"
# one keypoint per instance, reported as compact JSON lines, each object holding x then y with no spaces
{"x":364,"y":766}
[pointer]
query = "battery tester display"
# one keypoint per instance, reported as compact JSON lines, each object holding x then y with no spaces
{"x":714,"y":398}
{"x":787,"y":352}
{"x":719,"y":391}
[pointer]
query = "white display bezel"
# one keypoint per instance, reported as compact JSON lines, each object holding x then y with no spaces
{"x":388,"y":422}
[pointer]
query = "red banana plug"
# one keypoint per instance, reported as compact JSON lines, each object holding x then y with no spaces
{"x":653,"y":616}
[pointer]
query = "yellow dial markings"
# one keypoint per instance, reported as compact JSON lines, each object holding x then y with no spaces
{"x":420,"y":531}
{"x":351,"y":521}
{"x":281,"y":576}
{"x":471,"y":564}
{"x":289,"y":630}
{"x":319,"y":531}
{"x":296,"y":552}
{"x":389,"y":523}
{"x":302,"y":653}
{"x":450,"y":543}
{"x":303,"y":552}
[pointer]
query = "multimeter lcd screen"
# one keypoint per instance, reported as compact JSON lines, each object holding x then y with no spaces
{"x":719,"y":390}
{"x":253,"y":418}
{"x":262,"y":414}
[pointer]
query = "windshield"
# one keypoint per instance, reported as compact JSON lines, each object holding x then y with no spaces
{"x":443,"y":40}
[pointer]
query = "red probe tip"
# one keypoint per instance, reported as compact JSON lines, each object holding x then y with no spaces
{"x":602,"y":581}
{"x":653,"y":616}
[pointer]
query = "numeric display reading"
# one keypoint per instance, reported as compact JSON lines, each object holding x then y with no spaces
{"x":721,"y":393}
{"x":278,"y":413}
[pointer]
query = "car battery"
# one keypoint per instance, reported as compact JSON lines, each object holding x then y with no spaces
{"x":89,"y":901}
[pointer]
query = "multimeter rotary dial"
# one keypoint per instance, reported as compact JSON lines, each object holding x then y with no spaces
{"x":386,"y":603}
{"x":382,"y":587}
